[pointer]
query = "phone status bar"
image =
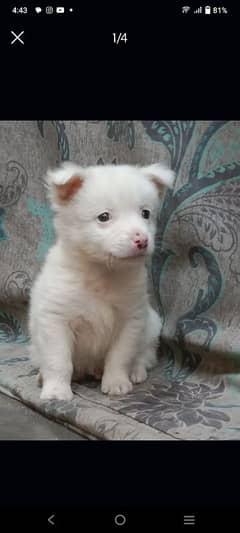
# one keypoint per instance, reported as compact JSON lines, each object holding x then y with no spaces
{"x":39,"y":10}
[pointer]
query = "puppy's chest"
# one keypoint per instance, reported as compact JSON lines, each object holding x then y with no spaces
{"x":95,"y":327}
{"x":107,"y":294}
{"x":96,"y":306}
{"x":105,"y":302}
{"x":100,"y":316}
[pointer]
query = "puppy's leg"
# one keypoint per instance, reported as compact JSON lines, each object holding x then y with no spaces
{"x":54,"y":345}
{"x":148,"y":357}
{"x":119,"y":360}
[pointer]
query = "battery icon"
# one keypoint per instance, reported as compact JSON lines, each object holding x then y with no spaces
{"x":207,"y":10}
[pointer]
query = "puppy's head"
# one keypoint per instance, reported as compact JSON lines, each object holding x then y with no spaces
{"x":108,"y":211}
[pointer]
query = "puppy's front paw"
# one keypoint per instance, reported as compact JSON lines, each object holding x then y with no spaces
{"x":138,"y":374}
{"x":116,"y":384}
{"x":56,"y":391}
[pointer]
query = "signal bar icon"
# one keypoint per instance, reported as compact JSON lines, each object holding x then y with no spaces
{"x":198,"y":11}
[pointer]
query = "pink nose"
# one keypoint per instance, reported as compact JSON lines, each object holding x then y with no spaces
{"x":140,"y":242}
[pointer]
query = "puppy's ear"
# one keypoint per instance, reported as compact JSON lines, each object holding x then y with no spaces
{"x":161,"y":175}
{"x":63,"y":183}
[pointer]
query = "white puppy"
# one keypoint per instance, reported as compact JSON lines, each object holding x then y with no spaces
{"x":89,"y":311}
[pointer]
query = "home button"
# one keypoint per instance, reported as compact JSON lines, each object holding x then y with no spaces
{"x":120,"y":519}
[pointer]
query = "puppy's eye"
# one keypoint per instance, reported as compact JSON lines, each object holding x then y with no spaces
{"x":145,"y":213}
{"x":104,"y":217}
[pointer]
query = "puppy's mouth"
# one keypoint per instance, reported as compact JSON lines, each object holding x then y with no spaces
{"x":116,"y":261}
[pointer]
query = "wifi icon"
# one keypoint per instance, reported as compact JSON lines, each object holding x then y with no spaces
{"x":185,"y":9}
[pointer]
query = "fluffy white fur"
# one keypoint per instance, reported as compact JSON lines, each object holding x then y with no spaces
{"x":89,"y":311}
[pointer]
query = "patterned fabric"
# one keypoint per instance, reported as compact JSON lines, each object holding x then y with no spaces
{"x":195,"y":272}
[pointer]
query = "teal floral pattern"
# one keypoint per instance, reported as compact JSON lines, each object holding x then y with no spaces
{"x":122,"y":130}
{"x":207,"y":202}
{"x":3,"y":233}
{"x":14,"y":183}
{"x":175,"y":135}
{"x":62,"y":140}
{"x":44,"y":212}
{"x":11,"y":329}
{"x":177,"y":405}
{"x":18,"y":283}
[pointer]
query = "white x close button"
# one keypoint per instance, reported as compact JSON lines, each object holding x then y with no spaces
{"x":17,"y":37}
